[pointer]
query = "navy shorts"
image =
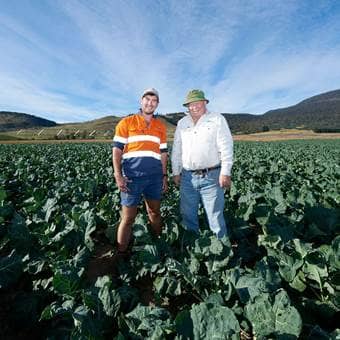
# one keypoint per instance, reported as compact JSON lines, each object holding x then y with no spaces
{"x":149,"y":187}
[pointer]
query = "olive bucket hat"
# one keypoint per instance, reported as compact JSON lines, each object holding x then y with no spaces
{"x":194,"y":96}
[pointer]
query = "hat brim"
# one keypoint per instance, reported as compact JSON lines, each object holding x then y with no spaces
{"x":193,"y":101}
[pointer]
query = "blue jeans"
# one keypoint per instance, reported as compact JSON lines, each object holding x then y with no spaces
{"x":195,"y":188}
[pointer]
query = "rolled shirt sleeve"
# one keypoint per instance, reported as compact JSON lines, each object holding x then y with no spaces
{"x":120,"y":138}
{"x":163,"y":147}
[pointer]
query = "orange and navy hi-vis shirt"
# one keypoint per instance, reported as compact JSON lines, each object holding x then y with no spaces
{"x":142,"y":145}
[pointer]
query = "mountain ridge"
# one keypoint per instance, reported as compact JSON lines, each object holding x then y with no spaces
{"x":19,"y":120}
{"x":319,"y":112}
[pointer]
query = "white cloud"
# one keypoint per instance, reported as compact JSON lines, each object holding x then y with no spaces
{"x":20,"y":95}
{"x":265,"y":82}
{"x":96,"y":58}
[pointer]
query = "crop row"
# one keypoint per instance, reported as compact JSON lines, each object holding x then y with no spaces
{"x":276,"y":276}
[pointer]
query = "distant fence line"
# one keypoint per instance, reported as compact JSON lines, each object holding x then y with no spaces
{"x":64,"y":133}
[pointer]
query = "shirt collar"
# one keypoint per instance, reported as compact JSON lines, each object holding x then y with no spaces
{"x":140,"y":114}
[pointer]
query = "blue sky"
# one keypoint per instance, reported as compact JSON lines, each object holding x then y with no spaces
{"x":76,"y":60}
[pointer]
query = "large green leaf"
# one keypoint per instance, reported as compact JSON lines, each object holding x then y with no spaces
{"x":267,"y":270}
{"x":66,"y":281}
{"x":248,"y":287}
{"x":211,"y":321}
{"x":50,"y":206}
{"x":184,"y":325}
{"x":154,"y":322}
{"x":315,"y":267}
{"x":88,"y":220}
{"x":195,"y":282}
{"x":273,"y":318}
{"x":56,"y":309}
{"x":108,"y":296}
{"x":85,"y":325}
{"x":289,"y":265}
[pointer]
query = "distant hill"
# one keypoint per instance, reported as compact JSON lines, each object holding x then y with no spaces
{"x":17,"y":120}
{"x":104,"y":123}
{"x":243,"y":122}
{"x":320,"y":113}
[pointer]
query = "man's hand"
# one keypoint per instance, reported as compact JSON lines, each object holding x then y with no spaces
{"x":225,"y":181}
{"x":165,"y":184}
{"x":177,"y":179}
{"x":122,"y":183}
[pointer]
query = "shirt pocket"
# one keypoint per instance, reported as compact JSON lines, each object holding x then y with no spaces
{"x":135,"y":131}
{"x":187,"y":135}
{"x":207,"y":132}
{"x":157,"y":132}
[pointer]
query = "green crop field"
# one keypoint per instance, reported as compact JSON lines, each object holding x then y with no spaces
{"x":277,"y":277}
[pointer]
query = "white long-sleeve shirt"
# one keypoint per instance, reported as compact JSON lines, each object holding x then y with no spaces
{"x":206,"y":144}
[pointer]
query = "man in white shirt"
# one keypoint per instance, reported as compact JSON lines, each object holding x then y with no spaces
{"x":202,"y":158}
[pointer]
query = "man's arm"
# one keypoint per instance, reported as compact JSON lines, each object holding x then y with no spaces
{"x":119,"y":141}
{"x":163,"y":148}
{"x":164,"y":161}
{"x":117,"y":168}
{"x":225,"y":148}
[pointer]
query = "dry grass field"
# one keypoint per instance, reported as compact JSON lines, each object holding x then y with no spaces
{"x":285,"y":135}
{"x":275,"y":135}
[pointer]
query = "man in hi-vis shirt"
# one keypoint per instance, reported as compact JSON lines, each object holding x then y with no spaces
{"x":202,"y":158}
{"x":139,"y":157}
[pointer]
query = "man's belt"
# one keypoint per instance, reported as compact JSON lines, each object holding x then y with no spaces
{"x":204,"y":171}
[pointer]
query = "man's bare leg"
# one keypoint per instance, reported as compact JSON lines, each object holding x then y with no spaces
{"x":153,"y":209}
{"x":128,"y":215}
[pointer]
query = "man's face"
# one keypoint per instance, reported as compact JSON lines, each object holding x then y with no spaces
{"x":149,"y":104}
{"x":197,"y":108}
